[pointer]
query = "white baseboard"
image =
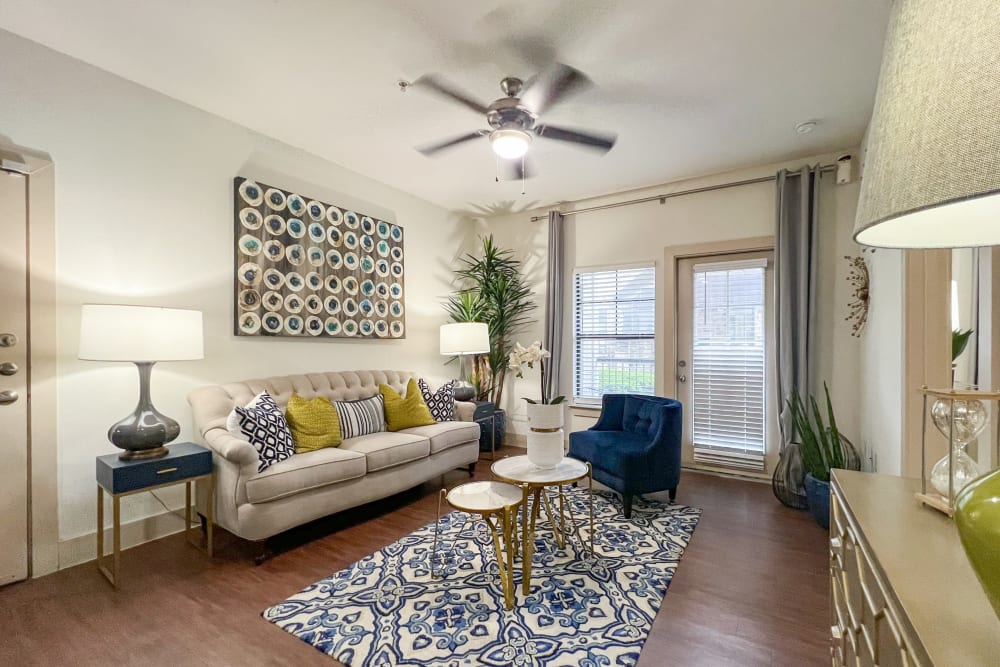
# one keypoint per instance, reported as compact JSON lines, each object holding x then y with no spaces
{"x":81,"y":549}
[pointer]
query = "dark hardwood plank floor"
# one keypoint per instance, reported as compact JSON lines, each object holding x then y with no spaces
{"x":751,"y":590}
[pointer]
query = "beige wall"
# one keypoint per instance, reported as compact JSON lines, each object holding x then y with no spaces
{"x":143,"y":210}
{"x":640,"y":233}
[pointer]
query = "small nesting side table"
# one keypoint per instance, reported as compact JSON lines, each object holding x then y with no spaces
{"x":185,"y":462}
{"x":497,"y":503}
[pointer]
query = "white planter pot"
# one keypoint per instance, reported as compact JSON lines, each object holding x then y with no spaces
{"x":545,"y":439}
{"x":545,"y":416}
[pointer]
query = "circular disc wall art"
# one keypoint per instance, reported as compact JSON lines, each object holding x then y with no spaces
{"x":314,"y":269}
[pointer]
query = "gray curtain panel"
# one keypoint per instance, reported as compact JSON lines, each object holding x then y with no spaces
{"x":554,"y":303}
{"x":795,"y":275}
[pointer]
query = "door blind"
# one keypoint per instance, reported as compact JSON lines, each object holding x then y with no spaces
{"x":614,"y":327}
{"x":727,"y":363}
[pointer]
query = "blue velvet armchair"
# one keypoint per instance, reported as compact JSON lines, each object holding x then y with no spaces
{"x":635,"y":446}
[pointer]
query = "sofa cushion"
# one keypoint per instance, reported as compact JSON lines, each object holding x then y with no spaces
{"x":405,"y":412}
{"x":313,"y":422}
{"x":358,"y":418}
{"x":445,"y":435}
{"x":385,"y":450}
{"x":306,"y":471}
{"x":441,"y":403}
{"x":265,"y":428}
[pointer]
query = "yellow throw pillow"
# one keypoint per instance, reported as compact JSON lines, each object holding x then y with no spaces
{"x":406,"y":412}
{"x":313,"y":422}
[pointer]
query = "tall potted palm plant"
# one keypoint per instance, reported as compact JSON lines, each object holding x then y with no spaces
{"x":492,"y":289}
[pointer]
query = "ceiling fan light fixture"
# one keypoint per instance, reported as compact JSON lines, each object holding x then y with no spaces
{"x":510,"y":143}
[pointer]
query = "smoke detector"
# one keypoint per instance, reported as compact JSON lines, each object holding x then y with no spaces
{"x":806,"y":126}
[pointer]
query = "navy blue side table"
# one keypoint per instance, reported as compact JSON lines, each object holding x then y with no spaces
{"x":186,"y":462}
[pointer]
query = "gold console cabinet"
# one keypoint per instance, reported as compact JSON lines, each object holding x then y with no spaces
{"x":902,"y":590}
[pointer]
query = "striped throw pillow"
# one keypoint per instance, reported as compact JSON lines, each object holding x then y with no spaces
{"x":361,"y":417}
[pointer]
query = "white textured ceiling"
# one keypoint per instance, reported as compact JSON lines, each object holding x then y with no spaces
{"x":689,"y":87}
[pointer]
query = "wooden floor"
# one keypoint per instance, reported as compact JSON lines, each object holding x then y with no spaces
{"x":751,"y":590}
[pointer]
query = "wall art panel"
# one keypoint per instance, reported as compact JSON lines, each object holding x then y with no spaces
{"x":308,"y":268}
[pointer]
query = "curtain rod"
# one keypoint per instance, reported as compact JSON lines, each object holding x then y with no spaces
{"x":662,"y":198}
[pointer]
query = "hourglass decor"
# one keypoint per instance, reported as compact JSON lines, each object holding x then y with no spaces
{"x":961,"y":417}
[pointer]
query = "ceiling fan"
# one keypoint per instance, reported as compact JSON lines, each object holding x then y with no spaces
{"x":514,"y":119}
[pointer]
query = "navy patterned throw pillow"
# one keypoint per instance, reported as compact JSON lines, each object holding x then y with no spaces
{"x":264,"y":426}
{"x":440,"y":402}
{"x":361,"y":417}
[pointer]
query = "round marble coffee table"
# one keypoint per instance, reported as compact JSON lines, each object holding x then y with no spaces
{"x":497,"y":503}
{"x":533,"y":481}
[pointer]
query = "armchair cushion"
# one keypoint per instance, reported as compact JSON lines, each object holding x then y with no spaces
{"x":617,"y":452}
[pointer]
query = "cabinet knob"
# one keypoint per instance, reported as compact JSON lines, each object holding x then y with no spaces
{"x":8,"y":396}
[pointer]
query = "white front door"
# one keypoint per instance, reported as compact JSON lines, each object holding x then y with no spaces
{"x":14,"y":374}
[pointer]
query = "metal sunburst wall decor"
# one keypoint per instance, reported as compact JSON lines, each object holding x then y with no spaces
{"x":858,"y":279}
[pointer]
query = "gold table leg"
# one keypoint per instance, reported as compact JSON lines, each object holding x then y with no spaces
{"x":506,"y":575}
{"x":211,"y":512}
{"x":590,"y":489}
{"x":437,"y":526}
{"x":560,"y":538}
{"x":526,"y":544}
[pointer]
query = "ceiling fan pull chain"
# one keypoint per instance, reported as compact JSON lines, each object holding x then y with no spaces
{"x":522,"y":174}
{"x":496,"y":166}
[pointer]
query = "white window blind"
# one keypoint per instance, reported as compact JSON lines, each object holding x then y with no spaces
{"x":727,"y":365}
{"x":614,"y":330}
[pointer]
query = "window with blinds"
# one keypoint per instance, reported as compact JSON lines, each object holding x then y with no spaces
{"x":614,"y":330}
{"x":727,"y":365}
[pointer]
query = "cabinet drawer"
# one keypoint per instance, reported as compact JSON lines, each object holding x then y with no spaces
{"x":184,"y":461}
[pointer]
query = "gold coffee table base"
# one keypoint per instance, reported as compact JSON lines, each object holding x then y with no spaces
{"x":496,"y":503}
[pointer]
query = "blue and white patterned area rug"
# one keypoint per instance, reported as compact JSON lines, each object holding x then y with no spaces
{"x":387,"y":610}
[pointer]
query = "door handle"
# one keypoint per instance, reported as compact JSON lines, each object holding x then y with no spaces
{"x":682,"y":378}
{"x":8,"y":368}
{"x":8,"y":396}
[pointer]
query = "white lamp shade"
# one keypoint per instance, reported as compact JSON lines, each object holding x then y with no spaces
{"x":140,"y":333}
{"x":932,"y":171}
{"x":465,"y":338}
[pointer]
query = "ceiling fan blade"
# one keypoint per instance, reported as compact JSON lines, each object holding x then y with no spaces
{"x":552,"y":85}
{"x":431,"y":82}
{"x":601,"y":142}
{"x":515,"y":169}
{"x":431,"y":149}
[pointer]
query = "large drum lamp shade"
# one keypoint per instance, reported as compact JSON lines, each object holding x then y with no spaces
{"x":932,"y":171}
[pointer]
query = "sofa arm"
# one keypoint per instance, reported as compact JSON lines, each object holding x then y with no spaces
{"x":231,"y":448}
{"x":464,"y":411}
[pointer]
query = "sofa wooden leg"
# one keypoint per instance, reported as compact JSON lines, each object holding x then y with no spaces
{"x":264,"y":554}
{"x":472,"y":469}
{"x":627,"y":502}
{"x":673,"y":494}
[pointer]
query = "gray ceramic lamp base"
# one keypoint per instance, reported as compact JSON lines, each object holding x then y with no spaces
{"x":143,"y":433}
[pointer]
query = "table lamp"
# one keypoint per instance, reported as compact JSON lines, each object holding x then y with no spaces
{"x":461,"y":339}
{"x":142,"y":335}
{"x":932,"y":177}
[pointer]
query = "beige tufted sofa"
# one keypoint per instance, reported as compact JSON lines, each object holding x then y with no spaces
{"x":311,"y":485}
